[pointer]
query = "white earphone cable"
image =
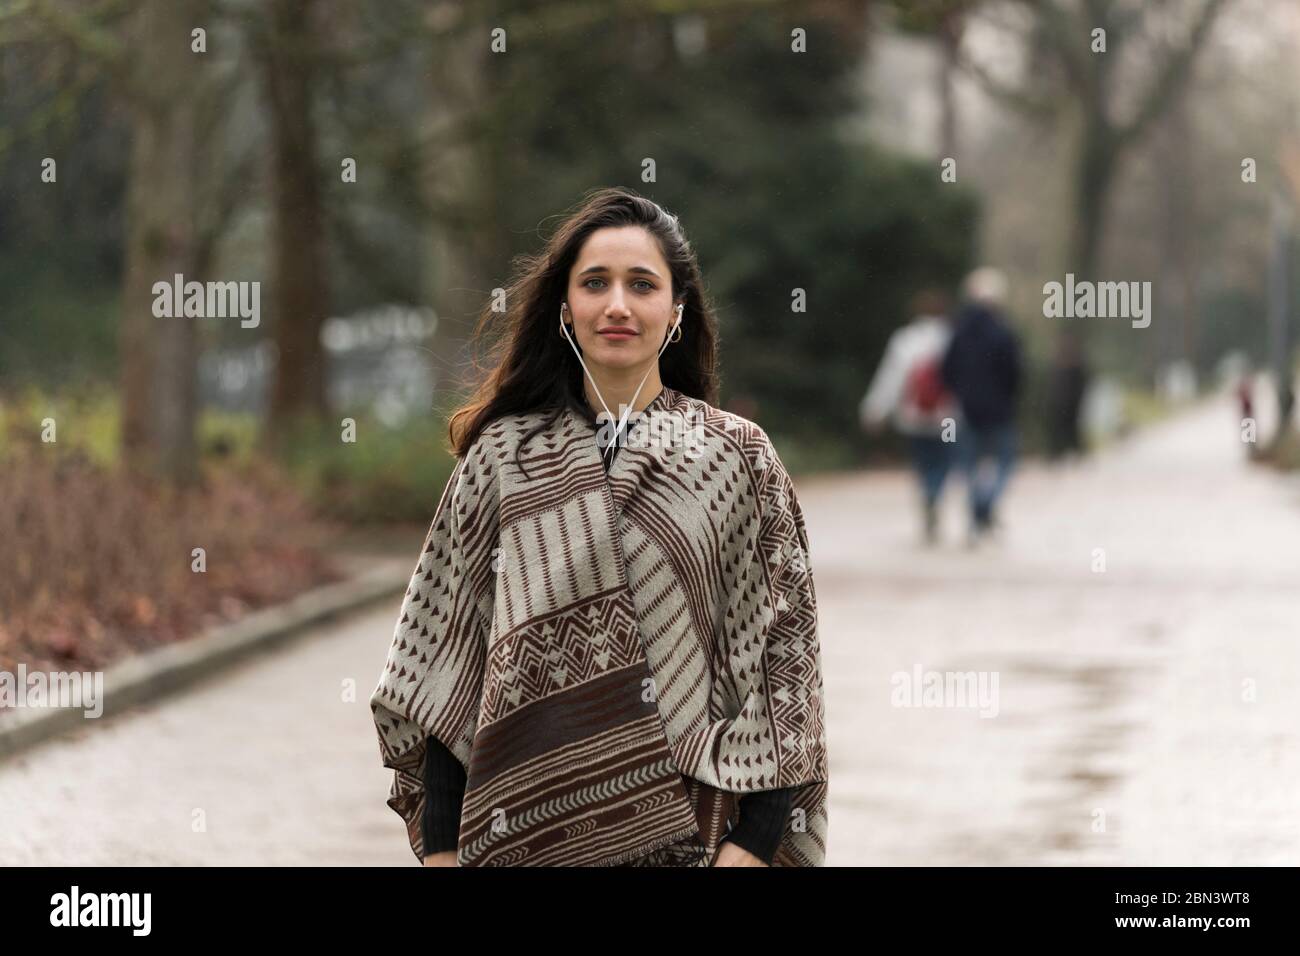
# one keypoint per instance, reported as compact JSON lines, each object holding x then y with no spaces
{"x":622,"y":421}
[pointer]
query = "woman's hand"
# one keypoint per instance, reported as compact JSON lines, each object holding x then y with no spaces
{"x":729,"y":854}
{"x":446,"y":858}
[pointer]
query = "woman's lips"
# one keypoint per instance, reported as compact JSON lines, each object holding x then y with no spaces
{"x":617,"y":335}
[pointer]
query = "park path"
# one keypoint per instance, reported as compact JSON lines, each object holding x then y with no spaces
{"x":1145,"y":714}
{"x":1125,"y":732}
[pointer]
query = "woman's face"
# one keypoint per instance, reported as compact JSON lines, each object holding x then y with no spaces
{"x":620,"y":298}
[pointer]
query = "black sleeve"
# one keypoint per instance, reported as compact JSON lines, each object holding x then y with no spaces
{"x":444,"y":789}
{"x":763,"y":817}
{"x":948,"y":365}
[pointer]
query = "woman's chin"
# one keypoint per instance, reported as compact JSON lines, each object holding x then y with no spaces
{"x":612,"y":355}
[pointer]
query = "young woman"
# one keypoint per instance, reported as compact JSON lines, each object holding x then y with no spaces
{"x":608,"y":652}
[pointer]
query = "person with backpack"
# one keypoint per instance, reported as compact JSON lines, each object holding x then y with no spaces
{"x":908,"y":388}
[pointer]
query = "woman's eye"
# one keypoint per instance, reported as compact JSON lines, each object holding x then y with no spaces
{"x":644,"y":284}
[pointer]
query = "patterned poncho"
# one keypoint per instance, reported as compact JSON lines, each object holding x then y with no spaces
{"x":613,"y":658}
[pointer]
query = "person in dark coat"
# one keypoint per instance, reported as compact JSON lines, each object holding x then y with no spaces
{"x":983,"y":369}
{"x":1069,"y":384}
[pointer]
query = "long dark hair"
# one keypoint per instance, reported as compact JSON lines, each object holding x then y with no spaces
{"x":533,"y":368}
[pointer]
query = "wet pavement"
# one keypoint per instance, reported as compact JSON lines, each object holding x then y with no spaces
{"x":1140,"y":614}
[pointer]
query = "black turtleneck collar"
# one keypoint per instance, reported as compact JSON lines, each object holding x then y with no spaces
{"x":583,"y":407}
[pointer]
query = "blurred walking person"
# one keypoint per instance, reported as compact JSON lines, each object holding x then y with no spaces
{"x":908,"y":388}
{"x":1069,"y":383}
{"x":983,"y":369}
{"x":1245,"y":394}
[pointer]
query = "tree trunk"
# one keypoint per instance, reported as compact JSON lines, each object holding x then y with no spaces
{"x":300,"y":283}
{"x":1094,"y":173}
{"x":460,"y":274}
{"x":950,"y":31}
{"x":159,"y":355}
{"x":1279,"y":314}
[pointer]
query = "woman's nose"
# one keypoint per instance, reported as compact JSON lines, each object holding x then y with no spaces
{"x":617,"y":303}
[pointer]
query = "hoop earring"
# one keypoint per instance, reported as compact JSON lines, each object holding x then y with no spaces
{"x":677,"y":334}
{"x":562,"y":324}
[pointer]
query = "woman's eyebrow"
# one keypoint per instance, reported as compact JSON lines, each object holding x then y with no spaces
{"x":642,"y":269}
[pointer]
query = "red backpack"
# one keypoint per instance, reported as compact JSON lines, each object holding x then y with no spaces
{"x":924,"y":387}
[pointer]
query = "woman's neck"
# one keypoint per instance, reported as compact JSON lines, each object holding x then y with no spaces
{"x":618,"y":384}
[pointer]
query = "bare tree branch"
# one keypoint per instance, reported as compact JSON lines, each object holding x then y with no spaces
{"x":1066,"y":36}
{"x":1171,"y":76}
{"x":1018,"y":98}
